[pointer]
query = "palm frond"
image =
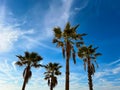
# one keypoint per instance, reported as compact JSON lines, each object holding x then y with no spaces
{"x":97,"y":54}
{"x":92,"y":68}
{"x":84,"y":34}
{"x":75,"y":27}
{"x":48,"y":82}
{"x":54,"y":81}
{"x":21,"y":58}
{"x":19,"y":63}
{"x":57,"y":73}
{"x":79,"y":43}
{"x":55,"y":40}
{"x":57,"y":32}
{"x":36,"y":65}
{"x":74,"y":55}
{"x":60,"y":44}
{"x":63,"y":52}
{"x":27,"y":54}
{"x":67,"y":27}
{"x":24,"y":72}
{"x":33,"y":55}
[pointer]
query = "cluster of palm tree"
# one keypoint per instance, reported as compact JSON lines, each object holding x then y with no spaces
{"x":32,"y":60}
{"x":70,"y":42}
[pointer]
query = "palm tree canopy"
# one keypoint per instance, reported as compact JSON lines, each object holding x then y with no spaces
{"x":67,"y":38}
{"x":89,"y":53}
{"x":30,"y":59}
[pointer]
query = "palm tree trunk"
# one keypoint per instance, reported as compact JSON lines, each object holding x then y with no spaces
{"x":23,"y":87}
{"x":67,"y":75}
{"x":51,"y":87}
{"x":89,"y":76}
{"x":68,"y":52}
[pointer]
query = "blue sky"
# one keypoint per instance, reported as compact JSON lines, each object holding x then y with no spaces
{"x":26,"y":25}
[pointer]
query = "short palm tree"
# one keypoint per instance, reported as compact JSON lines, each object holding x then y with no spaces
{"x":28,"y":60}
{"x":52,"y":71}
{"x":68,"y":39}
{"x":89,"y":55}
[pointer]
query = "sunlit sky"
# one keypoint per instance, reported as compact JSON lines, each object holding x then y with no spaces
{"x":27,"y":25}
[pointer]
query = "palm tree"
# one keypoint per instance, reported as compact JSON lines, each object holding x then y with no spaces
{"x":67,"y":39}
{"x":28,"y":60}
{"x":52,"y":71}
{"x":89,"y":55}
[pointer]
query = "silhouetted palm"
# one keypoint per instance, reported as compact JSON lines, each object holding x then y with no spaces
{"x":29,"y":60}
{"x":67,"y":39}
{"x":89,"y":55}
{"x":52,"y":71}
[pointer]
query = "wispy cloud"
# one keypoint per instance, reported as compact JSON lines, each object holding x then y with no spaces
{"x":58,"y":14}
{"x":11,"y":33}
{"x":83,"y":4}
{"x":112,"y":63}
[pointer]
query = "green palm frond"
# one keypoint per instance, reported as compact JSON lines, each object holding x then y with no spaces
{"x":75,"y":27}
{"x":24,"y":72}
{"x":57,"y":73}
{"x":36,"y":65}
{"x":97,"y":54}
{"x":33,"y":55}
{"x":54,"y":83}
{"x":48,"y":82}
{"x":55,"y":40}
{"x":79,"y":43}
{"x":27,"y":54}
{"x":19,"y":63}
{"x":83,"y":34}
{"x":74,"y":55}
{"x":63,"y":51}
{"x":57,"y":32}
{"x":67,"y":27}
{"x":21,"y":58}
{"x":60,"y":44}
{"x":92,"y":69}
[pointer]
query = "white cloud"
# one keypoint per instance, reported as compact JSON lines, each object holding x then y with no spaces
{"x":116,"y":70}
{"x":10,"y":32}
{"x":9,"y":35}
{"x":57,"y":15}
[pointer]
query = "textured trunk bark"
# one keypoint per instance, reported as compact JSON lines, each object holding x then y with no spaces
{"x":67,"y":75}
{"x":23,"y":87}
{"x":89,"y":76}
{"x":68,"y":51}
{"x":51,"y":87}
{"x":25,"y":77}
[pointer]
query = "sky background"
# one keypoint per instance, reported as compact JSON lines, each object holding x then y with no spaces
{"x":27,"y":25}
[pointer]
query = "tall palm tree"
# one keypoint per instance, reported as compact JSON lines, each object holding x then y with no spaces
{"x":28,"y":60}
{"x":52,"y":71}
{"x":67,"y":40}
{"x":89,"y":55}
